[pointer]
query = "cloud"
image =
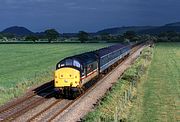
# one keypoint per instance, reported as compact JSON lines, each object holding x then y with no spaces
{"x":72,"y":15}
{"x":82,"y":8}
{"x":69,"y":4}
{"x":20,"y":1}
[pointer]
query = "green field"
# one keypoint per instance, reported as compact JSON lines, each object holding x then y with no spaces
{"x":159,"y":94}
{"x":23,"y":65}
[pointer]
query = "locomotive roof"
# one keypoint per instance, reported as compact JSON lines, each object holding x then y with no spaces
{"x":106,"y":50}
{"x":84,"y":58}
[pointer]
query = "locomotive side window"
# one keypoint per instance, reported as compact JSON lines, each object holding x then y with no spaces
{"x":83,"y":70}
{"x":91,"y":67}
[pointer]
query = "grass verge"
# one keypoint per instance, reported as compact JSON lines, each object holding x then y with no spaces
{"x":158,"y":95}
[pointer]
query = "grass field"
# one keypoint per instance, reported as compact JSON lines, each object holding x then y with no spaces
{"x":22,"y":65}
{"x":159,"y":94}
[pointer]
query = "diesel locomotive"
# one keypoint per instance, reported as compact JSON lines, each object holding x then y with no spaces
{"x":73,"y":72}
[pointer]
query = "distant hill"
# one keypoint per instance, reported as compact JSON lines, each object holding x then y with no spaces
{"x":168,"y":27}
{"x":18,"y":31}
{"x":173,"y":24}
{"x":121,"y":30}
{"x":161,"y":29}
{"x":143,"y":29}
{"x":22,"y":31}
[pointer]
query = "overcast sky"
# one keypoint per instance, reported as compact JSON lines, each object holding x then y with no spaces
{"x":87,"y":15}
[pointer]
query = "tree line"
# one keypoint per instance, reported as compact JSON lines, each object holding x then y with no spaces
{"x":82,"y":36}
{"x":52,"y":35}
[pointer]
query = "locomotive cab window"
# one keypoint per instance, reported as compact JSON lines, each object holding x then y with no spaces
{"x":76,"y":64}
{"x":61,"y":64}
{"x":69,"y":62}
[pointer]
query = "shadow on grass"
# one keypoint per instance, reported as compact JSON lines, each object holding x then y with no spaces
{"x":46,"y":90}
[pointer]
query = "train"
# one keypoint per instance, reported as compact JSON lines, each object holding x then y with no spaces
{"x":73,"y":72}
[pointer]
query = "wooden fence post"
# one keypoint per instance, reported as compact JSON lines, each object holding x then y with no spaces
{"x":99,"y":120}
{"x":125,"y":97}
{"x":116,"y":115}
{"x":130,"y":89}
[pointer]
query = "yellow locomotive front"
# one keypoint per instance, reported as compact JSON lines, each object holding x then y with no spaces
{"x":67,"y":77}
{"x":67,"y":74}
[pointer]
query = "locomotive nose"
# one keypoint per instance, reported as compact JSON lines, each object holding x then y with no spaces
{"x":67,"y":77}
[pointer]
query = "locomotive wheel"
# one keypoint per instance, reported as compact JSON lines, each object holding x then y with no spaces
{"x":66,"y":93}
{"x":75,"y":94}
{"x":57,"y":95}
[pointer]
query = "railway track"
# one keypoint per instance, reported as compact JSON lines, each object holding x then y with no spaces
{"x":62,"y":103}
{"x":44,"y":110}
{"x":17,"y":108}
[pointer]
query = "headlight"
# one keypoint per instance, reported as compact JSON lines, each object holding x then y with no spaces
{"x":59,"y":65}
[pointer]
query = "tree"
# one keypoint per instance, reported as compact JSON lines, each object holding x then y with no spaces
{"x":51,"y":34}
{"x":172,"y":34}
{"x":83,"y":36}
{"x":162,"y":34}
{"x":31,"y":38}
{"x":105,"y":36}
{"x":8,"y":35}
{"x":1,"y":36}
{"x":129,"y":35}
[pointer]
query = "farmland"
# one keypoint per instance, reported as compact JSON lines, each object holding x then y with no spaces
{"x":24,"y":65}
